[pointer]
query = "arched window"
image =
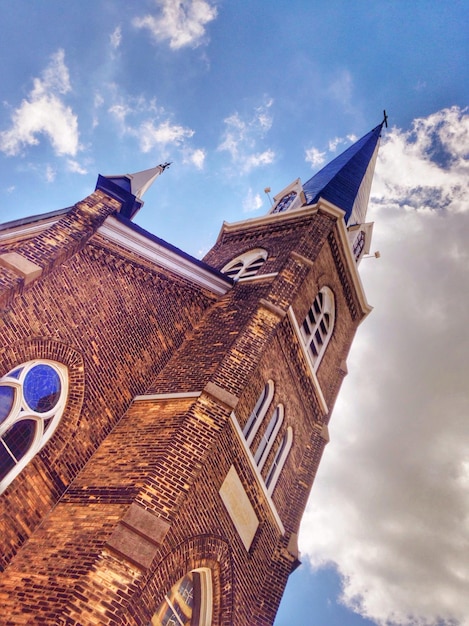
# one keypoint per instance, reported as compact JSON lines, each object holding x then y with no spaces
{"x":318,"y":325}
{"x":188,"y":603}
{"x":262,"y":405}
{"x":247,"y":264}
{"x":268,"y":437}
{"x":279,"y":460}
{"x":32,"y":401}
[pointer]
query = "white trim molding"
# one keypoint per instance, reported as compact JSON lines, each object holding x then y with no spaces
{"x":164,"y":257}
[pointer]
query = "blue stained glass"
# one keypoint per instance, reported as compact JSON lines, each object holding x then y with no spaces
{"x":7,"y":398}
{"x":16,"y":373}
{"x":41,"y":388}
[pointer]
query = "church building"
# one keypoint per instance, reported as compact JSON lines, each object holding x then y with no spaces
{"x":162,"y":418}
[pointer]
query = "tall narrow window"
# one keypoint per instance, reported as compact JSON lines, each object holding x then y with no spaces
{"x":279,"y":460}
{"x":268,"y":437}
{"x":255,"y":419}
{"x":317,"y":327}
{"x":32,"y":401}
{"x":245,"y":265}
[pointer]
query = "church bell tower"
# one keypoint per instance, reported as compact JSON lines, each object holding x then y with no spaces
{"x":162,"y":418}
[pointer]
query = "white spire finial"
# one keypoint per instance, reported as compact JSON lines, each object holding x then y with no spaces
{"x":141,"y":181}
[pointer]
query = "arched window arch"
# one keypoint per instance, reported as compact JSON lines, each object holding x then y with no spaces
{"x":246,"y":264}
{"x":268,"y":437}
{"x":188,"y":603}
{"x":32,"y":402}
{"x":278,"y":462}
{"x":318,"y":325}
{"x":255,"y":419}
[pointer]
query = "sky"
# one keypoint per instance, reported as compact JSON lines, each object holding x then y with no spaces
{"x":243,"y":95}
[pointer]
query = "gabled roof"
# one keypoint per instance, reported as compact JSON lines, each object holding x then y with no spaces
{"x":346,"y":181}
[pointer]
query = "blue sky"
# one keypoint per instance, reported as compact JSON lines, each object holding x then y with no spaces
{"x":246,"y":95}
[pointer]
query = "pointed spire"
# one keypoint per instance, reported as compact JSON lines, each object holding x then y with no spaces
{"x":346,"y":181}
{"x":129,"y":188}
{"x":140,"y":182}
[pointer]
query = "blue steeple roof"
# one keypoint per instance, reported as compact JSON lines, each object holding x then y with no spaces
{"x":346,"y":181}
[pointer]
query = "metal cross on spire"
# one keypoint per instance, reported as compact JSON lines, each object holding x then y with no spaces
{"x":385,"y":118}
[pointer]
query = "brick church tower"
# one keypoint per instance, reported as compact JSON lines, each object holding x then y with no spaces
{"x":162,"y":418}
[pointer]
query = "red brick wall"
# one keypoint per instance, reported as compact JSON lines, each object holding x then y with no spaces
{"x":169,"y":458}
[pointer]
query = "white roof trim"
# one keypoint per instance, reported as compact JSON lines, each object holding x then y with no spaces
{"x":29,"y":230}
{"x":117,"y":232}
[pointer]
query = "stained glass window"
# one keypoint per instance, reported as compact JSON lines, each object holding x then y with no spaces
{"x":7,"y":397}
{"x":188,"y":603}
{"x":32,"y":401}
{"x":41,"y":388}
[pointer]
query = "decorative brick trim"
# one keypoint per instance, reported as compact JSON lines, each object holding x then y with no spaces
{"x":344,"y":277}
{"x":325,"y":433}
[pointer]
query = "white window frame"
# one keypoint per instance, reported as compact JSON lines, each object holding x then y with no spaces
{"x":317,"y":333}
{"x":250,"y":263}
{"x":279,"y":459}
{"x":258,"y":413}
{"x":269,"y":436}
{"x":47,"y":422}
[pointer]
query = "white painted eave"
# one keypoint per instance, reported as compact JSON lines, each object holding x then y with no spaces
{"x":161,"y":256}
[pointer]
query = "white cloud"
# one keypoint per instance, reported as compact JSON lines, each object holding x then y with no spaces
{"x":182,"y":22}
{"x":252,"y":201}
{"x":161,"y":135}
{"x":195,"y":157}
{"x":44,"y":113}
{"x":151,"y":125}
{"x":242,"y":135}
{"x":50,"y":174}
{"x":75,"y":167}
{"x":116,"y":37}
{"x":333,"y":143}
{"x":391,"y":504}
{"x":252,"y":161}
{"x":315,"y":157}
{"x":341,"y":88}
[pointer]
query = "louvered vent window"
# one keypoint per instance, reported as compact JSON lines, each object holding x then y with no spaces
{"x":247,"y":264}
{"x":359,"y":245}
